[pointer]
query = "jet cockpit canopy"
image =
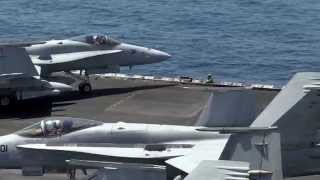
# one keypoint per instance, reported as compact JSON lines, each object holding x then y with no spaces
{"x":97,"y":39}
{"x":57,"y":127}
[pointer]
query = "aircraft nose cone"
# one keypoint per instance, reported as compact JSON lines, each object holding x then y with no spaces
{"x":160,"y":55}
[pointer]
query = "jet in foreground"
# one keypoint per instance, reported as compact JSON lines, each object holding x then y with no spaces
{"x":20,"y":80}
{"x":91,"y":54}
{"x":191,"y":152}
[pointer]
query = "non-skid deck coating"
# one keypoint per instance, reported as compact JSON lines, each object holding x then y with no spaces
{"x":113,"y":100}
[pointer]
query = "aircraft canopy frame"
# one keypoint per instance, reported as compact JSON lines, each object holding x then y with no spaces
{"x":56,"y":127}
{"x":98,"y":39}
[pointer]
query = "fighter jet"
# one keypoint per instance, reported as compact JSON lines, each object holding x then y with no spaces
{"x":191,"y":152}
{"x":20,"y":80}
{"x":91,"y":54}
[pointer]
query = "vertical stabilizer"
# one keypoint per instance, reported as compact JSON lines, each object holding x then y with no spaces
{"x":262,"y":150}
{"x":295,"y":111}
{"x":236,"y":108}
{"x":15,"y":60}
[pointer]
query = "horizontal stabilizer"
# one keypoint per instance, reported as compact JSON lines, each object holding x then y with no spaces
{"x":220,"y":170}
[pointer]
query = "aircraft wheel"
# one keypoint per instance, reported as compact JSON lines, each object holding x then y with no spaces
{"x":85,"y":88}
{"x":6,"y":100}
{"x":179,"y":177}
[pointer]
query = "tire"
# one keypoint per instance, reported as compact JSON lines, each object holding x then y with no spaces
{"x":85,"y":88}
{"x":6,"y":101}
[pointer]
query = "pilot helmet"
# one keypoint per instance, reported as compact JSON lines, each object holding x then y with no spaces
{"x":67,"y":125}
{"x":53,"y":125}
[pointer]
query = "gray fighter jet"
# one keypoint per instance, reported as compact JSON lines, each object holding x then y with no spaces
{"x":192,"y":152}
{"x":91,"y":54}
{"x":20,"y":80}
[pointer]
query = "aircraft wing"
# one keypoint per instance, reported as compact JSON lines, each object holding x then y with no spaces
{"x":190,"y":157}
{"x":71,"y":57}
{"x":15,"y":77}
{"x":21,"y":44}
{"x":219,"y":170}
{"x":109,"y":164}
{"x":115,"y":150}
{"x":140,"y":151}
{"x":11,"y":76}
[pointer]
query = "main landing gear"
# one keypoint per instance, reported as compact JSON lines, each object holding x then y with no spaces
{"x":85,"y":85}
{"x":7,"y":100}
{"x":72,"y":174}
{"x":85,"y":88}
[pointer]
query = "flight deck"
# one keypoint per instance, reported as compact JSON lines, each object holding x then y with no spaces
{"x":128,"y":100}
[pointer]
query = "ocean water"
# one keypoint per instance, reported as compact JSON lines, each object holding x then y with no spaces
{"x":250,"y":41}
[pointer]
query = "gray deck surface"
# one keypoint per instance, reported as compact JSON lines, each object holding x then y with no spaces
{"x":114,"y":100}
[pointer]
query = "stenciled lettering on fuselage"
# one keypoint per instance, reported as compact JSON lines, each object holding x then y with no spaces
{"x":3,"y":148}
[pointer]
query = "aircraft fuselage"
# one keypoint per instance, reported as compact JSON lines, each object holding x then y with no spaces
{"x":119,"y":134}
{"x":130,"y":55}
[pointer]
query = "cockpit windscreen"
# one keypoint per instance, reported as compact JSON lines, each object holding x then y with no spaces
{"x":57,"y":127}
{"x":96,"y":39}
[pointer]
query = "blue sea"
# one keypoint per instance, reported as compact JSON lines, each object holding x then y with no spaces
{"x":250,"y":41}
